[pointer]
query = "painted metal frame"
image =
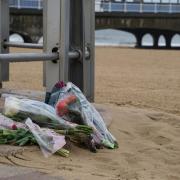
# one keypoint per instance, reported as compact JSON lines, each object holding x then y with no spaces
{"x":68,"y":47}
{"x":75,"y":21}
{"x":4,"y":36}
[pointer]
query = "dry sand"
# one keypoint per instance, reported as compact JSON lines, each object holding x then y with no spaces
{"x":142,"y":78}
{"x":141,"y":91}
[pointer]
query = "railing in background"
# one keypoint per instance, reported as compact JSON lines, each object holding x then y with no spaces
{"x":26,"y":4}
{"x":108,"y":6}
{"x":137,"y":7}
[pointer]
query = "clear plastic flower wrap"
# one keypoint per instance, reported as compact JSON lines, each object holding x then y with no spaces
{"x":8,"y":123}
{"x":41,"y":113}
{"x":73,"y":106}
{"x":49,"y":141}
{"x":45,"y":116}
{"x":31,"y":134}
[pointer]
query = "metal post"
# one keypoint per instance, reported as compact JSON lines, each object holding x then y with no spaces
{"x":4,"y":35}
{"x":109,"y":9}
{"x":39,"y":4}
{"x":64,"y":40}
{"x":77,"y":42}
{"x":141,"y":7}
{"x":81,"y":71}
{"x":69,"y":27}
{"x":155,"y":8}
{"x":51,"y":36}
{"x":170,"y":8}
{"x":19,"y":4}
{"x":125,"y":6}
{"x":88,"y":64}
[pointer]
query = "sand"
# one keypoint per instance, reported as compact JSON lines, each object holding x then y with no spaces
{"x":142,"y":78}
{"x":140,"y":90}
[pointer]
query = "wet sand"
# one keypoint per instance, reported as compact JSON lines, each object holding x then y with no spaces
{"x":140,"y":91}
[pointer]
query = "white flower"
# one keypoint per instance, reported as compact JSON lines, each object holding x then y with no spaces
{"x":11,"y":106}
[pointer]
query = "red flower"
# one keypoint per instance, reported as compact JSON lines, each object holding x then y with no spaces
{"x":62,"y":105}
{"x":60,"y":84}
{"x":14,"y":127}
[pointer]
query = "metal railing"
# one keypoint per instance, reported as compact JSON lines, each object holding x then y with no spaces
{"x":137,"y":7}
{"x":26,"y":4}
{"x":108,"y":6}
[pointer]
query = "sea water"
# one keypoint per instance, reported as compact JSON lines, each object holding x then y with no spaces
{"x":110,"y":37}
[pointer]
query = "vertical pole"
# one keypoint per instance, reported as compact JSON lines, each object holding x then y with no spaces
{"x":69,"y":26}
{"x":76,"y":42}
{"x":51,"y":36}
{"x":125,"y":6}
{"x":170,"y":8}
{"x":141,"y":7}
{"x":64,"y":40}
{"x":81,"y":71}
{"x":19,"y":4}
{"x":155,"y":8}
{"x":4,"y":36}
{"x":109,"y":9}
{"x":56,"y":22}
{"x":89,"y":27}
{"x":39,"y":4}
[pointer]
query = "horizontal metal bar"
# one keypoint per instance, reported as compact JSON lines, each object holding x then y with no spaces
{"x":74,"y":54}
{"x":77,"y":54}
{"x":29,"y":57}
{"x":23,"y":45}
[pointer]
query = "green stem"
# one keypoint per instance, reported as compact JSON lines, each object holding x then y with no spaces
{"x":63,"y":152}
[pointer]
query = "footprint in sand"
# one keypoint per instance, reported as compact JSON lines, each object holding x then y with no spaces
{"x":131,"y":158}
{"x":153,"y":133}
{"x":166,"y":118}
{"x":155,"y":116}
{"x":174,"y":147}
{"x":146,"y":131}
{"x":69,"y":167}
{"x":172,"y":177}
{"x":125,"y":132}
{"x":161,"y":140}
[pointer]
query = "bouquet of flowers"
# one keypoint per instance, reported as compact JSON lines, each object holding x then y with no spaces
{"x":72,"y":105}
{"x":45,"y":116}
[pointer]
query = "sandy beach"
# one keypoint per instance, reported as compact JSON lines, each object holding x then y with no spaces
{"x":142,"y":78}
{"x":139,"y":89}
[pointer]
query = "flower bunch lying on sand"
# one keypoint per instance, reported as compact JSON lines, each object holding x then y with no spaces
{"x":68,"y":116}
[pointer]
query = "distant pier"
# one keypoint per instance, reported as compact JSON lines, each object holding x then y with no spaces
{"x":139,"y":18}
